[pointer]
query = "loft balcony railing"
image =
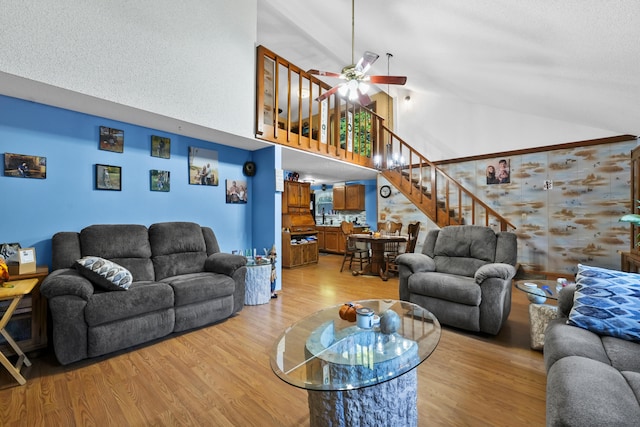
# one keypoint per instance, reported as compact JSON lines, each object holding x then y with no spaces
{"x":288,"y":113}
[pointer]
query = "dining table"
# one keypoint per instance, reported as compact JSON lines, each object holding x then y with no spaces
{"x":377,"y":244}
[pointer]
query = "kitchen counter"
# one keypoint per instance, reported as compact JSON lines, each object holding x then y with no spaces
{"x":331,"y":239}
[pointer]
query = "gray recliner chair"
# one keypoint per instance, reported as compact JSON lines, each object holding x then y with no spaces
{"x":463,"y":276}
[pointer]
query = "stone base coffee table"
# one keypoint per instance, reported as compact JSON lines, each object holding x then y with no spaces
{"x":358,"y":376}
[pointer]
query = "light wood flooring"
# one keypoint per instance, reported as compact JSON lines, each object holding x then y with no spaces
{"x":220,"y":375}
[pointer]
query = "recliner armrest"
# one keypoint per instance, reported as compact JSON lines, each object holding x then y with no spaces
{"x":495,"y":270}
{"x":66,"y":281}
{"x":224,"y":263}
{"x":416,"y":262}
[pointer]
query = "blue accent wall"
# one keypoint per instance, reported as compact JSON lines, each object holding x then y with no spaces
{"x":32,"y":210}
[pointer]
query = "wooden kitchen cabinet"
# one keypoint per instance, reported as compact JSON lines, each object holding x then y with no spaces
{"x":321,"y":244}
{"x":348,"y":198}
{"x":297,"y":251}
{"x":354,"y":197}
{"x":296,"y":197}
{"x":339,"y":198}
{"x":334,"y":240}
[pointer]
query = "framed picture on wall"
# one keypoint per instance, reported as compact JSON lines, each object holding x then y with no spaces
{"x":160,"y":180}
{"x":203,"y":166}
{"x":108,"y":177}
{"x":500,"y":174}
{"x":160,"y":147}
{"x":111,"y":139}
{"x":236,"y":191}
{"x":25,"y":166}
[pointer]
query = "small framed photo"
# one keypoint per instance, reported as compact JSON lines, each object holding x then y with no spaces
{"x":236,"y":191}
{"x":108,"y":177}
{"x":203,"y":166}
{"x":111,"y":139}
{"x":25,"y":166}
{"x":160,"y":147}
{"x":160,"y":180}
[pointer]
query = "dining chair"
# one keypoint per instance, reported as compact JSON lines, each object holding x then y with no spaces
{"x":352,"y":248}
{"x":390,"y":260}
{"x":390,"y":228}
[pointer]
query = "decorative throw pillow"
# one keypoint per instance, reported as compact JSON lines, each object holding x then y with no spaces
{"x":106,"y":274}
{"x":607,"y":302}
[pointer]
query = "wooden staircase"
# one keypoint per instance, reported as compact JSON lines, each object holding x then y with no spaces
{"x":440,"y":197}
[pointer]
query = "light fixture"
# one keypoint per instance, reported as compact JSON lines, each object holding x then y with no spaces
{"x":394,"y":161}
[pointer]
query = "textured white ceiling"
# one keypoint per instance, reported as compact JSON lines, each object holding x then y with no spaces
{"x":573,"y":61}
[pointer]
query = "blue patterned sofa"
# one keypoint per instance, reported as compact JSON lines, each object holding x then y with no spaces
{"x":115,"y":286}
{"x":592,"y":351}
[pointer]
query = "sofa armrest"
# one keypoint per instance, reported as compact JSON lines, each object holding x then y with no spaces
{"x":494,"y":270}
{"x":66,"y":281}
{"x":416,"y":262}
{"x":224,"y":263}
{"x":565,"y":300}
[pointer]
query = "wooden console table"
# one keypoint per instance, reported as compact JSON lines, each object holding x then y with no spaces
{"x":30,"y":316}
{"x":13,"y":292}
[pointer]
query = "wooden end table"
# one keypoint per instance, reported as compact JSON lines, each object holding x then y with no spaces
{"x":14,"y":291}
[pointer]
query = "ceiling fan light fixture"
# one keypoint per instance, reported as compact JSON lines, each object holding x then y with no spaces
{"x":364,"y":87}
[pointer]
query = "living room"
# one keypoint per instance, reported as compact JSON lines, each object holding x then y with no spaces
{"x":73,"y":79}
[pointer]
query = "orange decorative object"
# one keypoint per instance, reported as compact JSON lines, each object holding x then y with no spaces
{"x":4,"y":271}
{"x":348,"y":311}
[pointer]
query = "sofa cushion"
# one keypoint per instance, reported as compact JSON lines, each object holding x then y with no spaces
{"x":607,"y":302}
{"x":177,"y":248}
{"x":466,"y":242}
{"x":104,"y":273}
{"x":141,"y":298}
{"x":125,"y":244}
{"x":585,"y":392}
{"x":562,"y":340}
{"x":444,"y":286}
{"x":198,"y":287}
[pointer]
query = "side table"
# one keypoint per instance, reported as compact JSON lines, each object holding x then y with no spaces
{"x":257,"y":284}
{"x":539,"y":314}
{"x":18,"y":289}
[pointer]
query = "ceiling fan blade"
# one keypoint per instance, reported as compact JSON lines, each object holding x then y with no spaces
{"x":328,"y":93}
{"x":324,"y":73}
{"x":390,"y":80}
{"x":364,"y":63}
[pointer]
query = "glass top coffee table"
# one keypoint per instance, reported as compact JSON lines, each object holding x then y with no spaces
{"x":340,"y":363}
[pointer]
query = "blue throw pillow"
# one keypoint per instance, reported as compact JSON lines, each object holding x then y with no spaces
{"x":607,"y":302}
{"x":106,"y":274}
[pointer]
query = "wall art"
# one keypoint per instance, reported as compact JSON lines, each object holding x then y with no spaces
{"x":108,"y":177}
{"x":203,"y":166}
{"x":111,"y":139}
{"x":160,"y":180}
{"x":499,"y":175}
{"x":236,"y":191}
{"x":25,"y":166}
{"x":160,"y":147}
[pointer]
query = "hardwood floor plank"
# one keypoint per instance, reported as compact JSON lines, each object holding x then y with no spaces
{"x":220,"y":375}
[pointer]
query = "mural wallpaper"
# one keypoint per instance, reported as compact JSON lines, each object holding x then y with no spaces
{"x":565,"y":204}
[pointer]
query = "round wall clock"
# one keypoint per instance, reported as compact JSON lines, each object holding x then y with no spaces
{"x":385,"y":191}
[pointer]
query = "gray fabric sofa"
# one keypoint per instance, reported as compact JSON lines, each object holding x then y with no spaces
{"x":463,"y":276}
{"x":592,"y":380}
{"x":180,"y":281}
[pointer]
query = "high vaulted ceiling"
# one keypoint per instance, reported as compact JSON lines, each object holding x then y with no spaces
{"x":573,"y":61}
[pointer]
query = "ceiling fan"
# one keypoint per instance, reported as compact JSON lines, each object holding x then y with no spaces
{"x":357,"y":81}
